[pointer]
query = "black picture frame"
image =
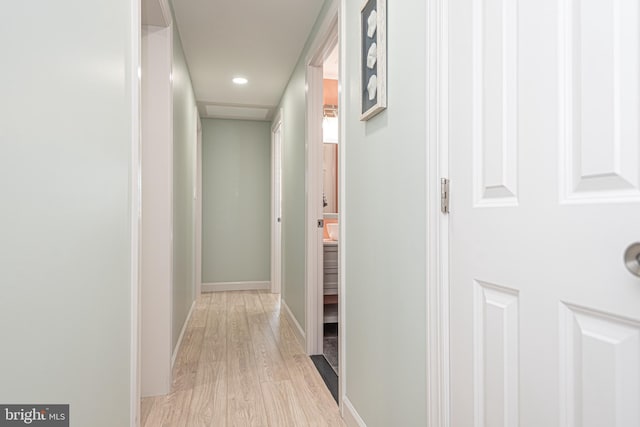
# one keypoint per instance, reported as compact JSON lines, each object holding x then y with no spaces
{"x":373,"y":58}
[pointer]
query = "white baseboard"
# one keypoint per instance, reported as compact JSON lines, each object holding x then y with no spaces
{"x":184,"y":328}
{"x":297,"y":329}
{"x":350,"y":415}
{"x":235,"y":286}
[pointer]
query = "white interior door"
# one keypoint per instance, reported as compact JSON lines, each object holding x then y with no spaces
{"x":276,"y":206}
{"x":545,"y":198}
{"x":198,"y":208}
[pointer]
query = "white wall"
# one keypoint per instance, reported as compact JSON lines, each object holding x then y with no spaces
{"x":66,"y":120}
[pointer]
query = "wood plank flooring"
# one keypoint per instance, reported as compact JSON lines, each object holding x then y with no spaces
{"x":240,"y":366}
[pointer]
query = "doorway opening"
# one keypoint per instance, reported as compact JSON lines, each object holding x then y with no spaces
{"x":323,"y":211}
{"x":330,"y":209}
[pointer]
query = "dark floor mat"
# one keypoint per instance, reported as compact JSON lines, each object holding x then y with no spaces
{"x":327,"y":373}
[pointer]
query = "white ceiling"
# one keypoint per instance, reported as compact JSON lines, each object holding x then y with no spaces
{"x":257,"y":39}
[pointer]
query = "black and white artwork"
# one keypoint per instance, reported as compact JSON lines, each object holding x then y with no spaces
{"x":373,"y":58}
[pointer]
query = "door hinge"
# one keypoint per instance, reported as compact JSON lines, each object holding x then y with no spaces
{"x":321,"y":223}
{"x":444,"y":195}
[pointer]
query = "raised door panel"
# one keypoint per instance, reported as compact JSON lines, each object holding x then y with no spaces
{"x":600,"y":100}
{"x":599,"y":369}
{"x":495,"y":102}
{"x":496,"y":362}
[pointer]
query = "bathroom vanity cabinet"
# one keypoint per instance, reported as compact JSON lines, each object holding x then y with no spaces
{"x":330,"y":282}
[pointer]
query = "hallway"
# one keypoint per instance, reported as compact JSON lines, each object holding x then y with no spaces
{"x":240,"y":365}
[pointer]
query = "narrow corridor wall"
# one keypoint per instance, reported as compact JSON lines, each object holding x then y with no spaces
{"x":184,"y":184}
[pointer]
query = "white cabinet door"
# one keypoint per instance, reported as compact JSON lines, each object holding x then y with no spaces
{"x":545,"y":183}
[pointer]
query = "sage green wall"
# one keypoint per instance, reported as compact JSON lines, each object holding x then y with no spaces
{"x":293,"y":105}
{"x":184,"y":170}
{"x":385,"y":182}
{"x":236,"y":201}
{"x":293,"y":194}
{"x":65,"y":154}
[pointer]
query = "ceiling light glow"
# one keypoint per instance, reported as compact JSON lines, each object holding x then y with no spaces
{"x":240,"y":80}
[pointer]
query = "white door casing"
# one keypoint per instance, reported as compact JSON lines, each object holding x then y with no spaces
{"x":156,"y":188}
{"x":437,"y":223}
{"x":545,"y":197}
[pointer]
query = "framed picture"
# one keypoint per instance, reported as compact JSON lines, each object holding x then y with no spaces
{"x":373,"y":58}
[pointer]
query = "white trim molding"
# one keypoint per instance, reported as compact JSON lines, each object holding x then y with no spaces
{"x":135,"y":206}
{"x":235,"y":286}
{"x":342,"y":197}
{"x":350,"y":415}
{"x":291,"y":319}
{"x":437,"y":230}
{"x":157,"y":207}
{"x":184,"y":328}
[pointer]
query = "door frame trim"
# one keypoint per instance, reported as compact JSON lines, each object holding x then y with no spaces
{"x":147,"y":303}
{"x":276,"y":231}
{"x":156,"y":250}
{"x":342,"y":209}
{"x":135,"y":201}
{"x":438,"y":400}
{"x":325,"y":40}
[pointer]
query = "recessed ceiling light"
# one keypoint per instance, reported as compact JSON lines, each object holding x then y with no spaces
{"x":240,"y":80}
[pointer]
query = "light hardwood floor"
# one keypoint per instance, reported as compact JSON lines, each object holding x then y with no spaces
{"x":240,"y":365}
